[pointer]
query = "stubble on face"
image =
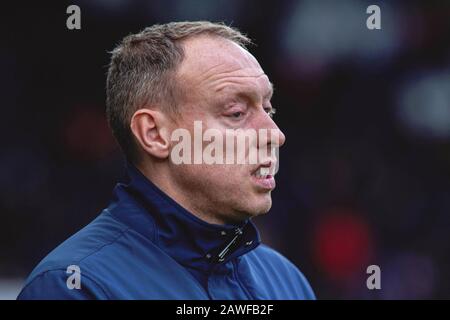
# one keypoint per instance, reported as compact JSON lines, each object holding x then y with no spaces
{"x":218,"y":78}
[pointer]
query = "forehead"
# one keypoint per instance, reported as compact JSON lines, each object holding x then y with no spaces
{"x":220,"y":65}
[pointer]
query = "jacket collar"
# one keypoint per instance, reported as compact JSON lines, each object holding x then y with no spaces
{"x":189,"y":240}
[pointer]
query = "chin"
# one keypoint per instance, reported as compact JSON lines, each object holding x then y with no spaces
{"x":261,"y":206}
{"x":249,"y":209}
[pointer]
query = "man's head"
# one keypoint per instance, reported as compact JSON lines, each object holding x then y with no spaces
{"x":169,"y":76}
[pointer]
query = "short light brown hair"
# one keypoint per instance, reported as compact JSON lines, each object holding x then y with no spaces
{"x":142,"y":72}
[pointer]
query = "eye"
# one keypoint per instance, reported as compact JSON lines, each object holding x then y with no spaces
{"x":236,"y":112}
{"x":237,"y":115}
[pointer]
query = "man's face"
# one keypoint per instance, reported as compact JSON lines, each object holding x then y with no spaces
{"x":225,"y":88}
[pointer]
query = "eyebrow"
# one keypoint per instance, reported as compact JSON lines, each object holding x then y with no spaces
{"x":251,"y":93}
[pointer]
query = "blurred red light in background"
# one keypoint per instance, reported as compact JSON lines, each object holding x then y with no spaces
{"x":343,"y":244}
{"x":87,"y":135}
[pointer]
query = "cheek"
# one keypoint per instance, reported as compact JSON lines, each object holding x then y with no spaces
{"x":227,"y":178}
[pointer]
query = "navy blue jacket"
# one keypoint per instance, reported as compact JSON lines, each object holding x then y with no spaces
{"x":144,"y":245}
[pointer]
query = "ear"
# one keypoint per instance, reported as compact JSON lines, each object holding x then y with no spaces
{"x":150,"y":128}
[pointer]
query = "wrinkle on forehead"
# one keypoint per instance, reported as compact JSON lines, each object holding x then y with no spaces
{"x":209,"y":61}
{"x":219,"y":81}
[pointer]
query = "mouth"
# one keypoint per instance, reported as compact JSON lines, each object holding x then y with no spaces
{"x":263,"y":177}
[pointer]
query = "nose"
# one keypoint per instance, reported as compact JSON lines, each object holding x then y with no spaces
{"x":275,"y":137}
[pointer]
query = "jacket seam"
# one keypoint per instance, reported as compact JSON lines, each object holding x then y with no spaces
{"x":40,"y":275}
{"x":122,"y":232}
{"x":239,"y":281}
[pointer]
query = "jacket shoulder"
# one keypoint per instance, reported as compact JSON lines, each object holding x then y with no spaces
{"x":57,"y":284}
{"x":275,"y":258}
{"x":115,"y":262}
{"x":51,"y":273}
{"x":281,"y":275}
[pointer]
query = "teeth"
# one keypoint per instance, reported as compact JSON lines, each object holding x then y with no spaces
{"x":262,"y":172}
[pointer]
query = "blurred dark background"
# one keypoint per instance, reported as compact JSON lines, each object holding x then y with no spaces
{"x":364,"y":176}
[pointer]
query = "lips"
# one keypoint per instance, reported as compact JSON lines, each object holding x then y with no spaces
{"x":264,"y":168}
{"x":263,"y":176}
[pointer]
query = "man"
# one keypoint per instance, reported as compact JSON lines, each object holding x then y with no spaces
{"x":180,"y":229}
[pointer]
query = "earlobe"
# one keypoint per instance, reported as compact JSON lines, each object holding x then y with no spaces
{"x":149,"y":129}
